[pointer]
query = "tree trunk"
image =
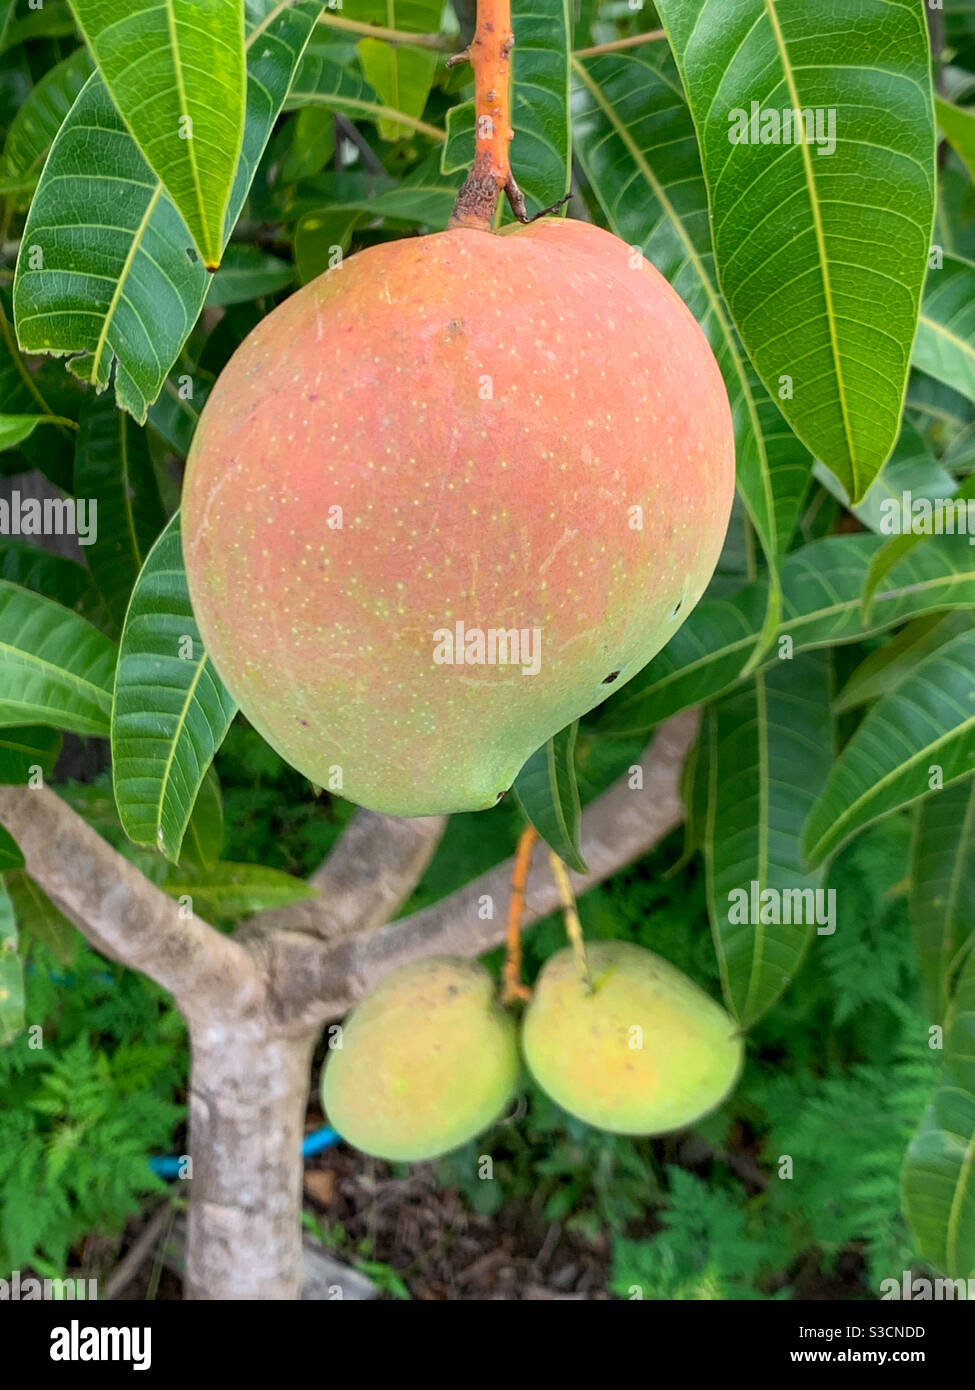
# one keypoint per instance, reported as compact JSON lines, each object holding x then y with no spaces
{"x":248,"y":1094}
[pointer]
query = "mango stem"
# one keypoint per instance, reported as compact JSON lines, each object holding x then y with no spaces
{"x":490,"y":176}
{"x":513,"y":987}
{"x":573,"y":927}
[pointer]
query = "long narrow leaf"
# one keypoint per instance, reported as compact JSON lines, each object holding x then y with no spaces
{"x":771,"y":744}
{"x":919,"y":738}
{"x":176,"y":72}
{"x":55,"y":668}
{"x":171,"y":710}
{"x":822,"y":241}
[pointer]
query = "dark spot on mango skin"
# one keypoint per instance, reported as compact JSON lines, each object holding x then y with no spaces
{"x":608,"y":680}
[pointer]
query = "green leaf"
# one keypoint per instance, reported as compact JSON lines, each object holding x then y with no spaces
{"x":10,"y":858}
{"x":414,"y":199}
{"x":325,"y":79}
{"x":171,"y":710}
{"x":312,"y":144}
{"x":402,"y":77}
{"x":176,"y":71}
{"x":11,"y":969}
{"x":51,"y":20}
{"x":26,"y":748}
{"x":55,"y":668}
{"x":104,"y":270}
{"x":938,"y":1180}
{"x":942,"y":899}
{"x":235,"y":890}
{"x":39,"y":920}
{"x":39,"y":119}
{"x":884,"y":669}
{"x":822,"y":587}
{"x":6,"y":14}
{"x":633,"y":131}
{"x":771,"y":746}
{"x":927,"y":723}
{"x":112,"y":465}
{"x":317,"y":236}
{"x":694,"y":789}
{"x":414,"y":16}
{"x":25,"y":391}
{"x":16,"y":428}
{"x":945,"y":346}
{"x":46,"y":573}
{"x":958,"y":126}
{"x":821,"y":247}
{"x":203,"y":841}
{"x":954,"y":227}
{"x":911,"y":468}
{"x":541,"y":151}
{"x":938,"y":404}
{"x":107,"y":269}
{"x":549,"y":796}
{"x":247,"y":273}
{"x":896,"y":550}
{"x":458,"y":150}
{"x":175,"y":413}
{"x":277,"y":37}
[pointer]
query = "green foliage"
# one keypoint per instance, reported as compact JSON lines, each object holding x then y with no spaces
{"x":171,"y":710}
{"x":87,"y":1093}
{"x":548,"y":792}
{"x":273,"y":815}
{"x":587,"y":1180}
{"x":712,"y":1246}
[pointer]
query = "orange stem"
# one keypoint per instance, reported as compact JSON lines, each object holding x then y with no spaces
{"x":489,"y":55}
{"x":513,"y":987}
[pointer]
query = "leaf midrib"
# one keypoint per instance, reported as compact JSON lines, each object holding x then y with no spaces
{"x":177,"y":735}
{"x":820,"y":244}
{"x":210,"y":257}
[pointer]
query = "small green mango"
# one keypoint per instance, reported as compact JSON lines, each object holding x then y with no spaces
{"x":645,"y":1052}
{"x":427,"y":1061}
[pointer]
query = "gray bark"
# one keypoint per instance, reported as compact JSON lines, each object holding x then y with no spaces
{"x":248,"y":1094}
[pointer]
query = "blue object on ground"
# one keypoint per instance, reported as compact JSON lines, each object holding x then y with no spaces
{"x":170,"y":1165}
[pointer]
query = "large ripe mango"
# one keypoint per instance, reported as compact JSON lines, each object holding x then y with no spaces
{"x":448,"y":494}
